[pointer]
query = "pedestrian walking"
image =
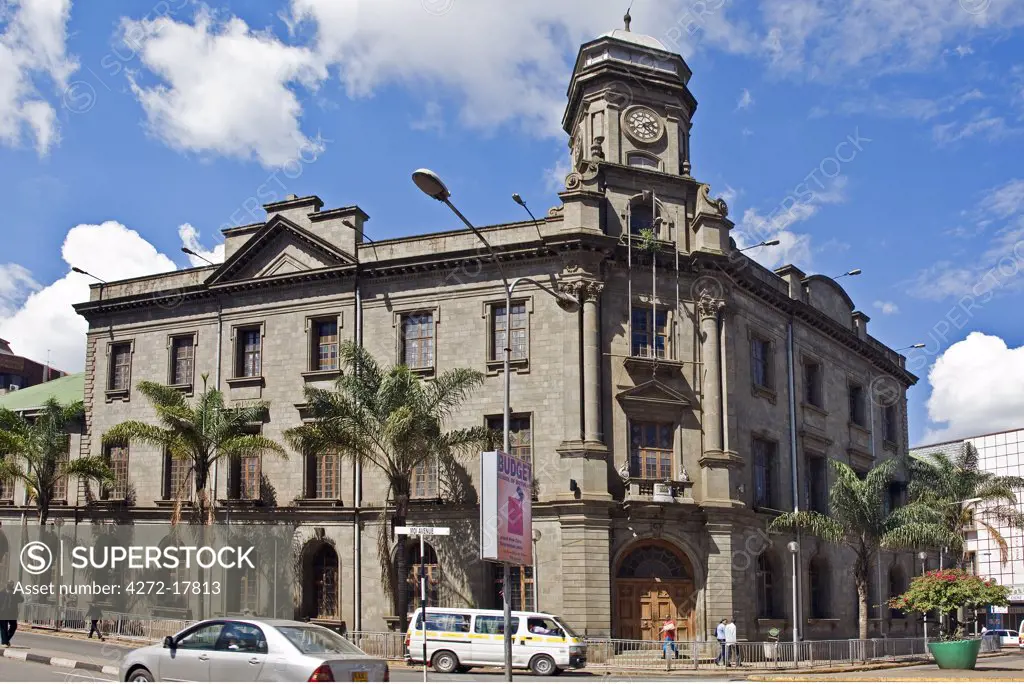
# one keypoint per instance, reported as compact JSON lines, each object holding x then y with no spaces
{"x":95,"y":614}
{"x":668,"y":632}
{"x":732,"y":649}
{"x":10,"y":600}
{"x":720,"y":635}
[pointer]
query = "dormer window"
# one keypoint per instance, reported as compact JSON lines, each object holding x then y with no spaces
{"x":643,"y":161}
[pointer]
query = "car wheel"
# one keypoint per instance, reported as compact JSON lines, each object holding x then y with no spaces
{"x":445,"y":662}
{"x":140,"y":675}
{"x":543,"y":666}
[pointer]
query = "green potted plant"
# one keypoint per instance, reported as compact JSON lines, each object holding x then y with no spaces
{"x":945,"y":591}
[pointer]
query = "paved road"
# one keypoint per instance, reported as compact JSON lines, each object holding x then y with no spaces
{"x":93,"y":651}
{"x":16,"y":671}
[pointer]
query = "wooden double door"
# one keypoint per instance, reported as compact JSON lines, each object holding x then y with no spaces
{"x":642,"y":605}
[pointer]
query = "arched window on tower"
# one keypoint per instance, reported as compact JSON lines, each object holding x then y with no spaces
{"x":642,"y":217}
{"x":643,"y":160}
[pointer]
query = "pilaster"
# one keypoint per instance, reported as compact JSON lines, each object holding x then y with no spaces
{"x":586,"y":574}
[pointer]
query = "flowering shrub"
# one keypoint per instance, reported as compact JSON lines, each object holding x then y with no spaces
{"x":948,"y":590}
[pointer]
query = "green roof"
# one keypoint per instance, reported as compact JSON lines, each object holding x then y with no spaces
{"x":65,"y":390}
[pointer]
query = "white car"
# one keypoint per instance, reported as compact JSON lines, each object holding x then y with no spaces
{"x":243,"y":650}
{"x":1007,"y":637}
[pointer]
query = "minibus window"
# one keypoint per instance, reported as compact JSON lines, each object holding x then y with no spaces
{"x":569,"y":631}
{"x":492,"y":624}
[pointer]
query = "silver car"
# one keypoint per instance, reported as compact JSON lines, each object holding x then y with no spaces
{"x":230,"y":650}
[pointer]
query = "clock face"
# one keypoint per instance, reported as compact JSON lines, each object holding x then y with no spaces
{"x":643,"y":124}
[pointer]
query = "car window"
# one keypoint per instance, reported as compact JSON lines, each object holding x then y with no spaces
{"x":539,"y":625}
{"x":493,"y":624}
{"x":241,"y":637}
{"x":566,"y":628}
{"x":203,"y":638}
{"x":444,"y":622}
{"x":316,"y":640}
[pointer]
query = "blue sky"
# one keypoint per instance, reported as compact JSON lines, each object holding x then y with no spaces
{"x":126,"y":128}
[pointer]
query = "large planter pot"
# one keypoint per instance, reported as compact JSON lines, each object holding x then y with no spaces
{"x":955,"y":655}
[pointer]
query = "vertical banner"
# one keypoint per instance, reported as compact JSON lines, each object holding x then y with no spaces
{"x":506,"y":519}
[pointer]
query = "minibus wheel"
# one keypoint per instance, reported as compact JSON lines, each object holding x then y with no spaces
{"x":543,"y":666}
{"x":445,"y":662}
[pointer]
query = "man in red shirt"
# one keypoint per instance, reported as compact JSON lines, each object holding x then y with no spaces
{"x":668,"y":632}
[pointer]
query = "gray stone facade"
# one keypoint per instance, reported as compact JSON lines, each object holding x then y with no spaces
{"x":644,"y":448}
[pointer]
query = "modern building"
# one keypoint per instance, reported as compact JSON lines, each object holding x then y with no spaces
{"x":18,"y":372}
{"x":1001,"y":453}
{"x":690,"y":396}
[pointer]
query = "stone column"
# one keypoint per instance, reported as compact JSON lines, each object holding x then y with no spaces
{"x":592,"y":362}
{"x":585,"y":570}
{"x":711,"y":386}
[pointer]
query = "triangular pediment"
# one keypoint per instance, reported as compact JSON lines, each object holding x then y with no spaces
{"x":653,"y":393}
{"x":280,"y":249}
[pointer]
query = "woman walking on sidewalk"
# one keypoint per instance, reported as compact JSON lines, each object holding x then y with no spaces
{"x":668,"y":631}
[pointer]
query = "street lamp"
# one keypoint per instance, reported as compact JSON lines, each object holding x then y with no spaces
{"x":923,"y":555}
{"x":854,"y":272}
{"x":765,"y":243}
{"x":919,"y":345}
{"x":78,"y":270}
{"x":794,"y":549}
{"x":431,"y":184}
{"x":188,"y":251}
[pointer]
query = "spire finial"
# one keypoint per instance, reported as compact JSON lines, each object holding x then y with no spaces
{"x":626,"y":19}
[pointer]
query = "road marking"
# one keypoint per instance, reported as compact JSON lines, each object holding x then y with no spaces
{"x":89,"y":677}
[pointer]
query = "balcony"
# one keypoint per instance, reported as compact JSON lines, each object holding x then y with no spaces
{"x":645,"y":490}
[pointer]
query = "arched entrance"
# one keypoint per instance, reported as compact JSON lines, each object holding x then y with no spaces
{"x":320,"y":582}
{"x":653,"y":582}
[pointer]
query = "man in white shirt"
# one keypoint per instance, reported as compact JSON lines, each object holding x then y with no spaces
{"x":720,"y":635}
{"x":731,"y":647}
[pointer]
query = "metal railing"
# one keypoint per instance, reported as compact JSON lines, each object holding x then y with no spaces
{"x":627,"y":654}
{"x":390,"y":645}
{"x":119,"y":625}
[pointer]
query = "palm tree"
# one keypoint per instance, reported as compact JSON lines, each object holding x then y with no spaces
{"x":37,"y":452}
{"x":859,"y":519}
{"x":391,"y":419}
{"x":965,"y":497}
{"x":200,"y":434}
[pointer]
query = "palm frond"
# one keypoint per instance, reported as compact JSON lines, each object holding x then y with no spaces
{"x":811,"y":522}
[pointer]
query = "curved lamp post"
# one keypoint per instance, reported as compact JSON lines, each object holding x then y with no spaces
{"x":432,"y":185}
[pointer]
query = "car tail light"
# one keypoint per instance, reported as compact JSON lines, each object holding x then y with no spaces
{"x":321,"y":674}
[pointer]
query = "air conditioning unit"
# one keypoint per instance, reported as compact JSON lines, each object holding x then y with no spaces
{"x":13,"y":388}
{"x":663,"y":493}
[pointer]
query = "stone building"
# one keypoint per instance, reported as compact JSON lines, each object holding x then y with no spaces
{"x":691,"y":394}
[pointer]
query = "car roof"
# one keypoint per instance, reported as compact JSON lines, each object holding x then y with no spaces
{"x":483,"y":611}
{"x":269,"y":622}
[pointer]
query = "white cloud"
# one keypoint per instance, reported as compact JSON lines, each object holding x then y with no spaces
{"x":46,"y":325}
{"x":432,"y":119}
{"x":730,"y":194}
{"x":16,"y":283}
{"x":746,"y":100}
{"x":746,"y":132}
{"x":1006,"y":199}
{"x":32,"y":48}
{"x":984,"y":124}
{"x":793,"y":248}
{"x":554,"y":176}
{"x":887,"y":308}
{"x":963,"y":50}
{"x":896,"y":106}
{"x":190,"y":238}
{"x":223,"y":88}
{"x":976,"y":388}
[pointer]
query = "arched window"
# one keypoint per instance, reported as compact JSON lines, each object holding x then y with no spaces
{"x":818,"y":582}
{"x":320,"y":581}
{"x":433,"y":570}
{"x":654,"y":562}
{"x":766,"y":583}
{"x":897,"y":585}
{"x":643,"y":160}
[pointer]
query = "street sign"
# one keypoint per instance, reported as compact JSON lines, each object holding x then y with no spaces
{"x":1001,"y":610}
{"x":424,"y":531}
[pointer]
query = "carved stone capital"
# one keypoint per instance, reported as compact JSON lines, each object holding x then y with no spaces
{"x":593,"y":291}
{"x":709,"y":306}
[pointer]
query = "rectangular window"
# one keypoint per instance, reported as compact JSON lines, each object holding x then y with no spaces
{"x":6,"y":488}
{"x":650,"y":450}
{"x":182,"y":358}
{"x":424,"y":482}
{"x":60,"y":487}
{"x":519,"y":435}
{"x":418,"y":340}
{"x":249,"y":352}
{"x":325,"y":345}
{"x":444,"y":622}
{"x":178,"y":478}
{"x":812,"y":384}
{"x":117,"y":460}
{"x":521,"y":596}
{"x":897,"y":496}
{"x":120,"y":366}
{"x":327,"y":483}
{"x":889,"y":431}
{"x":764,"y":468}
{"x":857,"y":404}
{"x":817,"y":479}
{"x":517,"y":331}
{"x":761,"y":362}
{"x":493,"y":624}
{"x":649,"y":330}
{"x":245,"y":478}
